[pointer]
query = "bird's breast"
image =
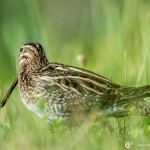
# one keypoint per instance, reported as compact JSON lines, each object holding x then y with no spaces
{"x":27,"y":85}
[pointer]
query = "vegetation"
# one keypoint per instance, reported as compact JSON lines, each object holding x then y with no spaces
{"x":113,"y":35}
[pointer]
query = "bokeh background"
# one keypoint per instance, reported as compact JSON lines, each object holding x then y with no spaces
{"x":113,"y":36}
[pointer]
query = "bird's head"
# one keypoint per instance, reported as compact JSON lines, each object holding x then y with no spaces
{"x":32,"y":55}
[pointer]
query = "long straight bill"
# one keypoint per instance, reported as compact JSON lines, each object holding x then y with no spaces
{"x":9,"y":92}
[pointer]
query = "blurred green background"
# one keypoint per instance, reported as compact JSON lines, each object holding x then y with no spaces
{"x":113,"y":35}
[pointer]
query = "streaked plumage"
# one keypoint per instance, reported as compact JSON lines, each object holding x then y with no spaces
{"x":53,"y":90}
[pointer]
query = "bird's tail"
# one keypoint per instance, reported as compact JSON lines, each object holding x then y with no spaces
{"x":137,"y":108}
{"x":130,"y":94}
{"x":142,"y":107}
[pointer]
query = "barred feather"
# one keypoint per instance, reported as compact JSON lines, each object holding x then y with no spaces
{"x":68,"y":92}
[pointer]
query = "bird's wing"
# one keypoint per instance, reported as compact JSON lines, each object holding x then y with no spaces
{"x":84,"y":84}
{"x":86,"y":78}
{"x":87,"y":87}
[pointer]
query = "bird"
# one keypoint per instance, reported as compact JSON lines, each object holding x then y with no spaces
{"x":57,"y":91}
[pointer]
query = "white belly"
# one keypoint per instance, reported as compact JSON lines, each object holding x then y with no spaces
{"x":43,"y":113}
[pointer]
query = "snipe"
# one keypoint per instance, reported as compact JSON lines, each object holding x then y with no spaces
{"x":54,"y":90}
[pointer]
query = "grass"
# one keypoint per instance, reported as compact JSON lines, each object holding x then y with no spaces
{"x":114,"y":37}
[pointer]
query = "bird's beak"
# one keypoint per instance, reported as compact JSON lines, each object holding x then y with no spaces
{"x":9,"y":92}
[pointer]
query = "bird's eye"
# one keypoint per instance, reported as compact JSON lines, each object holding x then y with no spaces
{"x":21,"y":49}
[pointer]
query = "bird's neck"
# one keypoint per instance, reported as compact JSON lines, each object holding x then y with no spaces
{"x":33,"y":67}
